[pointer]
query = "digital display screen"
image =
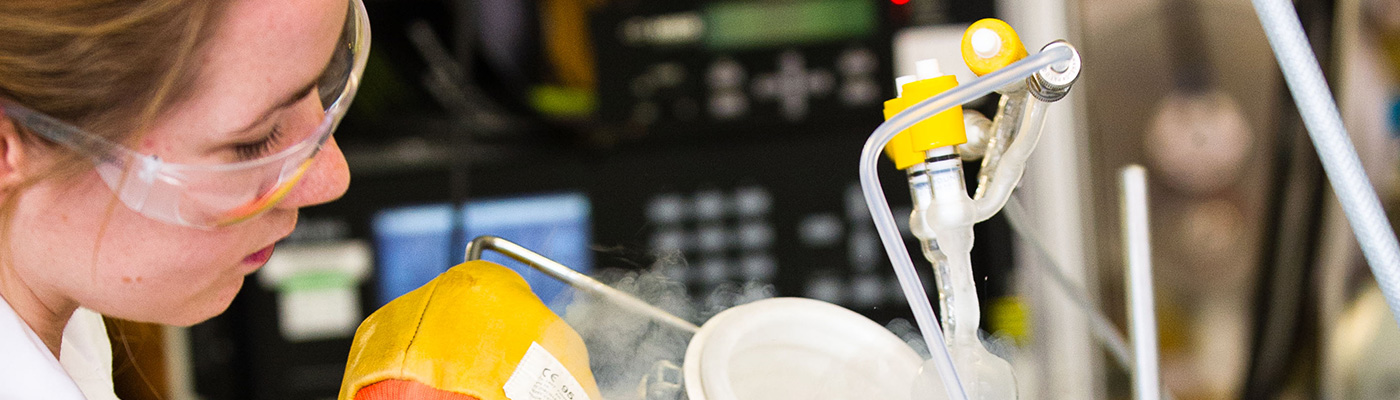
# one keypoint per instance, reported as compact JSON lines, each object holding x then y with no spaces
{"x":755,"y":24}
{"x":412,"y":245}
{"x":556,"y":226}
{"x":415,"y":244}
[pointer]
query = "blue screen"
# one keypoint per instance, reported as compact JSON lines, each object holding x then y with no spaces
{"x":556,"y":226}
{"x":415,"y":244}
{"x":412,"y":246}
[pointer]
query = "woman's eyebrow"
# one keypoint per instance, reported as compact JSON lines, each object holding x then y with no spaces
{"x":291,"y":98}
{"x":287,"y":101}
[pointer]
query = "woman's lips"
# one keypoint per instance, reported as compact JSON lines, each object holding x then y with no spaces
{"x":260,"y":257}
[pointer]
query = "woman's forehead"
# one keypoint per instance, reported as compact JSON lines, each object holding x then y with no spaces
{"x":261,"y":51}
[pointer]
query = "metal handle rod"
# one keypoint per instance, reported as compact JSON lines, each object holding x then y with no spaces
{"x":575,"y":279}
{"x":1142,"y":319}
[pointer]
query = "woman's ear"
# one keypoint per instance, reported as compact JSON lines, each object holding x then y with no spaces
{"x":12,"y":148}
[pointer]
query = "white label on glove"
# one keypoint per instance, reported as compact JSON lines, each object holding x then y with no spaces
{"x":540,"y":376}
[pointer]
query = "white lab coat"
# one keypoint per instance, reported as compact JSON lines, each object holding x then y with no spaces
{"x":29,"y":371}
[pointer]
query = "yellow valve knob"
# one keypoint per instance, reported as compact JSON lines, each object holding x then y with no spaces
{"x":461,"y":336}
{"x":899,"y":150}
{"x":941,"y":130}
{"x":989,"y":45}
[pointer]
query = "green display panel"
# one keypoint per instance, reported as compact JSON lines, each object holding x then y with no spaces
{"x":744,"y":25}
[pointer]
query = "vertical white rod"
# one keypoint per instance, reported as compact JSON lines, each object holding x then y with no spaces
{"x":1142,"y":317}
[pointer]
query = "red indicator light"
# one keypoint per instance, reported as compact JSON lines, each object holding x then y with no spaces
{"x":899,"y":2}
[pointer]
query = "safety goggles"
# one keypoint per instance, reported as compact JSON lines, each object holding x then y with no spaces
{"x":209,"y":196}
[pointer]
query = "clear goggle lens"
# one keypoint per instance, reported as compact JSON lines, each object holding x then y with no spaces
{"x":217,"y":195}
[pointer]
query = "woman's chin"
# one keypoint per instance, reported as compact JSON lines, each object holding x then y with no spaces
{"x":205,"y":307}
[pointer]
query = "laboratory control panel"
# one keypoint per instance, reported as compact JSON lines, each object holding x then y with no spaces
{"x":729,"y":237}
{"x":686,"y":67}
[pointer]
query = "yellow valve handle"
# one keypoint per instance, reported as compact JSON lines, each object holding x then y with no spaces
{"x":989,"y":45}
{"x":899,"y":149}
{"x":941,"y":130}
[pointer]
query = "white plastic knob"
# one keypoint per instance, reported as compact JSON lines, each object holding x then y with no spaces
{"x":928,"y":69}
{"x":986,"y":43}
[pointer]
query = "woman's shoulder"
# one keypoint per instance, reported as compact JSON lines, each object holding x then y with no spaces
{"x":29,"y":371}
{"x":87,"y":354}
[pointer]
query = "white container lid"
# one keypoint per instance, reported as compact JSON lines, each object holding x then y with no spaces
{"x":796,"y":348}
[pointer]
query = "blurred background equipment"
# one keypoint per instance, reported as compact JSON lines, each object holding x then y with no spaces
{"x":1167,"y":86}
{"x":702,"y":154}
{"x":717,"y":140}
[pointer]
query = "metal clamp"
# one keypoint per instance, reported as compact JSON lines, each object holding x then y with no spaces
{"x":1052,"y":83}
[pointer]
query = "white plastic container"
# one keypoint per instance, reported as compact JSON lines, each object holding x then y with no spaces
{"x":795,"y":348}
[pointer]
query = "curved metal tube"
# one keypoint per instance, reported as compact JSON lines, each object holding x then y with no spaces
{"x":575,"y":279}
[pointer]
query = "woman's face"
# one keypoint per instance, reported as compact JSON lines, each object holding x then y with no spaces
{"x":74,"y":244}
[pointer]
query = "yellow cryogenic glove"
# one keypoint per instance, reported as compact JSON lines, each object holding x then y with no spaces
{"x":475,"y":332}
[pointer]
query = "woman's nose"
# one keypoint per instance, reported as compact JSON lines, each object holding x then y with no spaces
{"x":326,"y":179}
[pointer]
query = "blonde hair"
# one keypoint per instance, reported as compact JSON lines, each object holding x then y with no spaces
{"x":107,"y":66}
{"x":110,"y":67}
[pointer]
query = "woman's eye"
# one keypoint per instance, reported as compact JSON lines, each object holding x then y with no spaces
{"x":259,"y":148}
